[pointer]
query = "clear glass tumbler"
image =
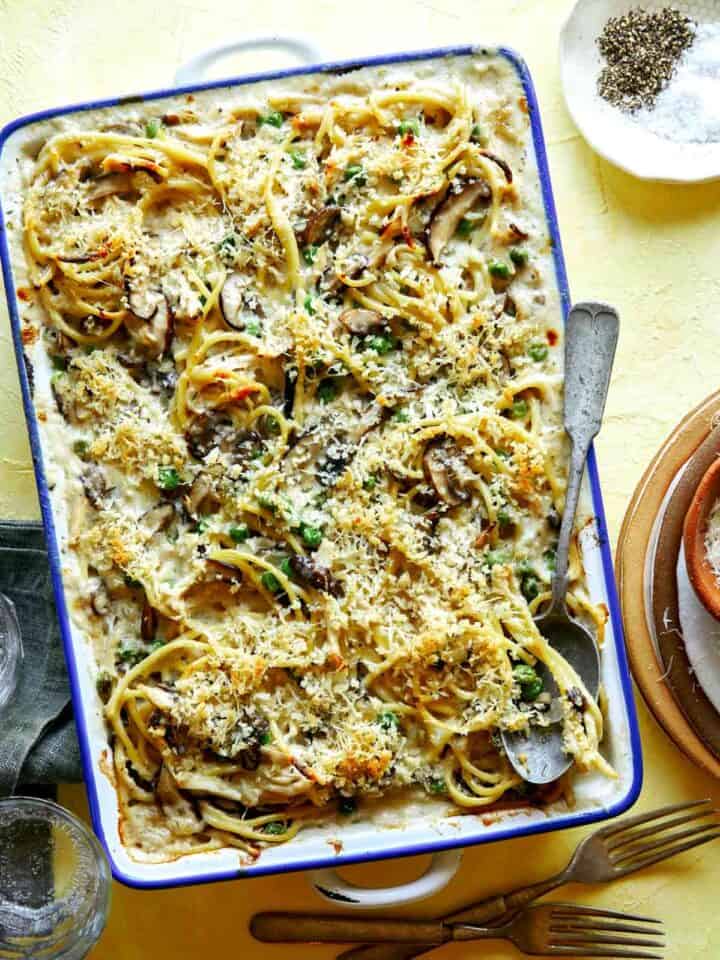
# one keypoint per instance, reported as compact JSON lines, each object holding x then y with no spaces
{"x":54,"y":883}
{"x":11,"y":650}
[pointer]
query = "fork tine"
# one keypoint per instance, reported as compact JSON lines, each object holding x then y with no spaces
{"x":643,"y":861}
{"x":576,"y":911}
{"x":569,"y":938}
{"x":634,"y":835}
{"x":579,"y":925}
{"x":631,"y":852}
{"x":614,"y":828}
{"x":601,"y":952}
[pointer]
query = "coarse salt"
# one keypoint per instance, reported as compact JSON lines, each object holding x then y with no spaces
{"x":688,"y":109}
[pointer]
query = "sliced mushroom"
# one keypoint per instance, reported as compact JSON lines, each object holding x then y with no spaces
{"x":319,"y":225}
{"x":236,"y":304}
{"x":94,"y":485}
{"x":100,"y":600}
{"x":148,"y":623}
{"x":159,"y":517}
{"x":110,"y":184}
{"x":149,"y":321}
{"x":515,"y":234}
{"x":315,"y":575}
{"x":122,"y":163}
{"x":505,"y":167}
{"x":446,"y":218}
{"x":361,"y":322}
{"x":440,"y":472}
{"x":180,"y":813}
{"x":232,"y":302}
{"x":201,"y":498}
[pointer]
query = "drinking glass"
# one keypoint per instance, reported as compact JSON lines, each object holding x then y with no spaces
{"x":11,"y":650}
{"x":54,"y":883}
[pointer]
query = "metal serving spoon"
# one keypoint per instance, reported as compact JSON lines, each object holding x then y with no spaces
{"x":591,"y":334}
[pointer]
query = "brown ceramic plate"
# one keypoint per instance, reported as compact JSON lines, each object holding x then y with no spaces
{"x":649,"y":669}
{"x":701,"y":574}
{"x":679,"y":675}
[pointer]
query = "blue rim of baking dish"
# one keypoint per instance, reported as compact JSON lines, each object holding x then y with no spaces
{"x":89,"y":767}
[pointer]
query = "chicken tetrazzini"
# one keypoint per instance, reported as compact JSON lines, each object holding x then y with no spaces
{"x":297,"y":349}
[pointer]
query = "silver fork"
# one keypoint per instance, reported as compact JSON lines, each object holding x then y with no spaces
{"x":547,"y":929}
{"x":614,"y":851}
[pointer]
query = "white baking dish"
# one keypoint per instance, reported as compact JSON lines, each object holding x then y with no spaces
{"x":400,"y":833}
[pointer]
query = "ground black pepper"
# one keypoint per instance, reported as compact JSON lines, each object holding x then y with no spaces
{"x":641,"y":50}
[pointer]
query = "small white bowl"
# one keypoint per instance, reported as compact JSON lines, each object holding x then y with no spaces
{"x":609,"y":131}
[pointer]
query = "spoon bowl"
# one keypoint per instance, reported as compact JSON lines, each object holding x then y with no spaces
{"x":537,"y":753}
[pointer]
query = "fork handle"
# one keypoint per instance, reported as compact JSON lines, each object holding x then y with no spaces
{"x":483,"y":912}
{"x":300,"y":927}
{"x":495,"y":908}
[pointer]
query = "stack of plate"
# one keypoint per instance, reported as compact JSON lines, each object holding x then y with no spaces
{"x":673,"y":642}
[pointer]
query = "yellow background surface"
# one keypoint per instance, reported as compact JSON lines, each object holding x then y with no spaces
{"x":652,"y":250}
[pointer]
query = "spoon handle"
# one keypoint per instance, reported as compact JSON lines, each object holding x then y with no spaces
{"x":591,"y":334}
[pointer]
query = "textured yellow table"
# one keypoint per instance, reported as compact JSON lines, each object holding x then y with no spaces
{"x":650,"y":250}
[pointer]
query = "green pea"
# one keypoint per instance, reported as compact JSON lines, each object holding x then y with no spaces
{"x":312,"y":536}
{"x":381,"y":343}
{"x":355,"y":171}
{"x":347,"y":805}
{"x":270,"y":582}
{"x":437,"y":786}
{"x":254,"y":328}
{"x":285,"y":567}
{"x":168,"y":478}
{"x":265,"y":738}
{"x":520,"y":409}
{"x":273,"y":119}
{"x":298,"y":159}
{"x":227,"y":247}
{"x":401,"y":416}
{"x":409,"y":126}
{"x":519,"y":257}
{"x":531,"y":684}
{"x":496,"y":268}
{"x":327,"y":390}
{"x":275,"y":828}
{"x":239,"y":533}
{"x":495,"y":557}
{"x":530,"y":587}
{"x":503,"y":517}
{"x":309,"y":254}
{"x":388,"y":720}
{"x":465,"y":227}
{"x":370,"y":482}
{"x":538,"y":351}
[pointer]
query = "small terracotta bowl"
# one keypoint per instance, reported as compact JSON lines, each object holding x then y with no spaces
{"x":699,"y":570}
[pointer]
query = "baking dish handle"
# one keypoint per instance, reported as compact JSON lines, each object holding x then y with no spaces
{"x":195,"y":70}
{"x":330,"y":885}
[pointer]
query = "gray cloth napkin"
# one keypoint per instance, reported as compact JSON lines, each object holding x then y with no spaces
{"x":37,"y":732}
